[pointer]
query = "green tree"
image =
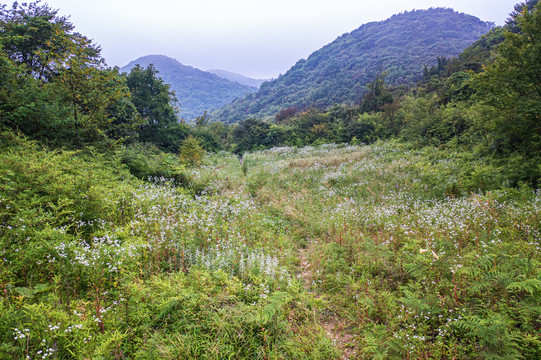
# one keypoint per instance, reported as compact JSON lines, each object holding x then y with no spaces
{"x":35,"y":36}
{"x":377,"y":95}
{"x":512,"y":24}
{"x":154,"y":100}
{"x":191,"y":152}
{"x":57,"y":88}
{"x":251,"y":134}
{"x":511,"y":87}
{"x":202,"y":120}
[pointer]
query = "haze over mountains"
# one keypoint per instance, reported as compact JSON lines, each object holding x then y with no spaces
{"x":338,"y":73}
{"x":400,"y":47}
{"x":197,"y":90}
{"x":241,"y":79}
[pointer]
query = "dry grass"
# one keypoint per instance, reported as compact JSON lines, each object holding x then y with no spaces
{"x":329,"y":161}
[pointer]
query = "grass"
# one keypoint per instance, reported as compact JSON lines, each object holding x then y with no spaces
{"x":378,"y":251}
{"x":415,"y":262}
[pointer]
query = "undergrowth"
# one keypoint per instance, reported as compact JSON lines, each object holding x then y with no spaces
{"x":417,"y":253}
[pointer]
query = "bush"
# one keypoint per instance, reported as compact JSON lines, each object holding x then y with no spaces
{"x":145,"y":161}
{"x":191,"y":152}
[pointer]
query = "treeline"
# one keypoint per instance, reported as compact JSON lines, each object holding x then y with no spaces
{"x":56,"y":88}
{"x":486,"y":100}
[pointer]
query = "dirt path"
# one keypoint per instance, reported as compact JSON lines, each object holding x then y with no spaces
{"x":334,"y":327}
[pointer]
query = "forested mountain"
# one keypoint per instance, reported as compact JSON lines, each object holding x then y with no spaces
{"x":338,"y":73}
{"x":241,"y":79}
{"x":197,"y":90}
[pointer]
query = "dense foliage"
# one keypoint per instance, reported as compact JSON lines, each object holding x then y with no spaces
{"x":425,"y":246}
{"x":364,"y":251}
{"x":338,"y":72}
{"x":198,"y":91}
{"x":55,"y":86}
{"x":486,"y":99}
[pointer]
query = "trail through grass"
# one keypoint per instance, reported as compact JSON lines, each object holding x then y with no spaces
{"x":323,"y":252}
{"x":410,"y":262}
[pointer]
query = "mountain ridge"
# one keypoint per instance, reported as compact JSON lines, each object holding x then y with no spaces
{"x":197,"y":90}
{"x":241,"y":79}
{"x":339,"y":71}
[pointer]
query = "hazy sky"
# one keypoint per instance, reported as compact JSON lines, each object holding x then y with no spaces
{"x":257,"y":38}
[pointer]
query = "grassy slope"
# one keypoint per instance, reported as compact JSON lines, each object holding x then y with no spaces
{"x":372,"y":248}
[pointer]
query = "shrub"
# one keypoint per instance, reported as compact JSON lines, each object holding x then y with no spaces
{"x":191,"y":152}
{"x":145,"y":161}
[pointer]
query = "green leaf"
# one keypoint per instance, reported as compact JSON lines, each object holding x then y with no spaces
{"x":25,"y":292}
{"x":531,"y":286}
{"x":41,"y":288}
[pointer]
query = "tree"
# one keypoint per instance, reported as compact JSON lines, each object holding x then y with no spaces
{"x":202,"y":120}
{"x":191,"y":152}
{"x":60,"y":91}
{"x":93,"y":95}
{"x":251,"y":134}
{"x":36,"y":37}
{"x":377,"y":95}
{"x":285,"y":114}
{"x":153,"y":99}
{"x":511,"y":86}
{"x":512,"y":24}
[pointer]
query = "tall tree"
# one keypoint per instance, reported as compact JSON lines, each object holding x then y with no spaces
{"x":511,"y":85}
{"x":512,"y":24}
{"x":377,"y":95}
{"x":154,"y":100}
{"x":35,"y":36}
{"x":59,"y":88}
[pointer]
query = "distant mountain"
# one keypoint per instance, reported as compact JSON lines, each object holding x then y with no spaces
{"x":339,"y":72}
{"x":241,"y":79}
{"x":196,"y":90}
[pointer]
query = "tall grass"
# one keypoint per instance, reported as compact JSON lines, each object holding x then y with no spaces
{"x":410,"y":253}
{"x":424,"y":252}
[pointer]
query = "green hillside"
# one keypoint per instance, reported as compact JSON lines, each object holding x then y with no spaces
{"x":197,"y":91}
{"x":338,"y":72}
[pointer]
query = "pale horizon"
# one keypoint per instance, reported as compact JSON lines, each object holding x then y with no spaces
{"x":256,"y":39}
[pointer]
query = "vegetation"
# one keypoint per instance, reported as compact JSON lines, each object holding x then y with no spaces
{"x":256,"y":83}
{"x":125,"y":234}
{"x":485,"y":99}
{"x":54,"y":84}
{"x":392,"y":258}
{"x":338,"y":72}
{"x":411,"y":266}
{"x":198,"y":91}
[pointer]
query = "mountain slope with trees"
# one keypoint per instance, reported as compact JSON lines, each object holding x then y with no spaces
{"x":197,"y":90}
{"x":339,"y":72}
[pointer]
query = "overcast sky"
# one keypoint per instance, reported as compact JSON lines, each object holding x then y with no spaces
{"x":256,"y":38}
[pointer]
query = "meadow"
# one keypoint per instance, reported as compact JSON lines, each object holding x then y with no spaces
{"x":382,"y":251}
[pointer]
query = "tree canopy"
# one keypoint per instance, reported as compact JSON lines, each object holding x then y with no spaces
{"x":57,"y":87}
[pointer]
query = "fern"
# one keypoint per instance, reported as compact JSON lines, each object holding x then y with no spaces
{"x":493,"y":334}
{"x":530,"y":286}
{"x":276,"y":300}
